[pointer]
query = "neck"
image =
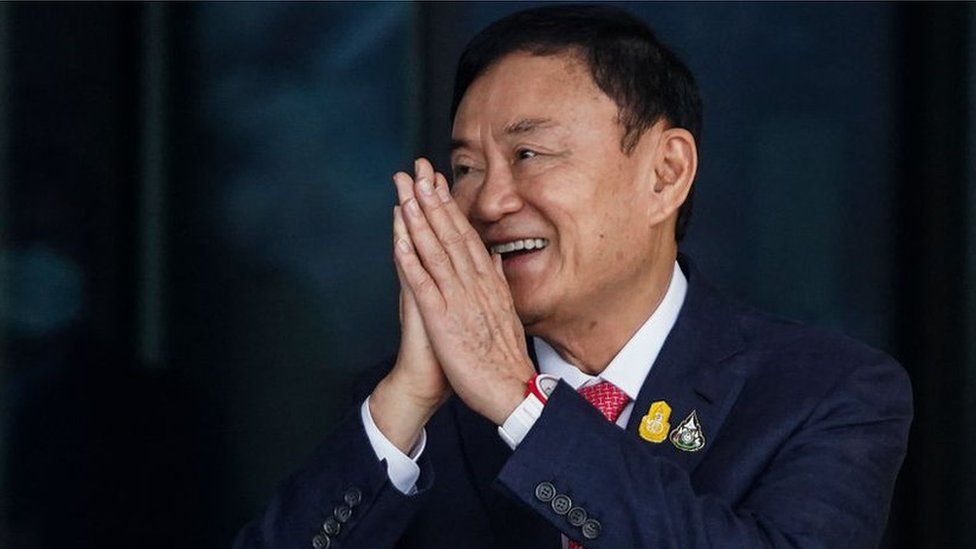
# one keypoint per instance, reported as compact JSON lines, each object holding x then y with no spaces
{"x":590,"y":340}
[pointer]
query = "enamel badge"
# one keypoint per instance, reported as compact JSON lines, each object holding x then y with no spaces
{"x":654,"y":426}
{"x":688,"y":435}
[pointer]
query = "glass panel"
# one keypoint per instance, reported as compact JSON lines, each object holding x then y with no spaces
{"x":282,"y":269}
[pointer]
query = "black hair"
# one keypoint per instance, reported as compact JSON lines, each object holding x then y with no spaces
{"x":644,"y":78}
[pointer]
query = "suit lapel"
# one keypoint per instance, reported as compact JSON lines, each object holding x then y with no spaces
{"x":692,"y":373}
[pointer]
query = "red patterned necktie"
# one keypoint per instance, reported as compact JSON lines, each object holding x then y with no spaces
{"x":610,"y":400}
{"x":606,"y":397}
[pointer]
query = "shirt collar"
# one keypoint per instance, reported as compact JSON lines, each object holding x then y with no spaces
{"x":630,"y":367}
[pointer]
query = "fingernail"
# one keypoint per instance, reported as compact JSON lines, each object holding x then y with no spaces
{"x":402,"y":244}
{"x":425,"y":186}
{"x":413,"y":208}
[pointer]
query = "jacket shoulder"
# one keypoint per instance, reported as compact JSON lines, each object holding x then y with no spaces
{"x":804,"y":359}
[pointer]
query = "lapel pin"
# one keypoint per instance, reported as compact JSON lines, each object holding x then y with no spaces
{"x":654,"y":426}
{"x":688,"y":435}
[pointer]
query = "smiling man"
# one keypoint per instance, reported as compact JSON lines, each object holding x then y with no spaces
{"x":565,"y":378}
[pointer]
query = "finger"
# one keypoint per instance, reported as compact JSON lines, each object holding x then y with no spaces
{"x":447,"y":233}
{"x":422,"y":168}
{"x":451,"y":238}
{"x":428,"y":248}
{"x":400,"y":232}
{"x":409,"y":312}
{"x":404,"y":288}
{"x":418,"y":280}
{"x":425,"y":170}
{"x":477,"y":249}
{"x":432,"y":254}
{"x":496,"y":260}
{"x":404,"y":186}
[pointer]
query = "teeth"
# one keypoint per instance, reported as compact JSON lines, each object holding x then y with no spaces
{"x":521,"y":244}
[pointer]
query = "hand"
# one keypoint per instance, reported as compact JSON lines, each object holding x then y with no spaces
{"x":465,"y":302}
{"x":416,"y":387}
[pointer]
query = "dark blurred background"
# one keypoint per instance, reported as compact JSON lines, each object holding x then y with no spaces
{"x":195,"y":206}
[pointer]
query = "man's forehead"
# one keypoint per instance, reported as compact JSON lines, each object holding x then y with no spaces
{"x":524,"y":93}
{"x":568,"y":60}
{"x":524,"y":72}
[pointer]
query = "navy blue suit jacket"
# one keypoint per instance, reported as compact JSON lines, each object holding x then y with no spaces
{"x":804,"y":434}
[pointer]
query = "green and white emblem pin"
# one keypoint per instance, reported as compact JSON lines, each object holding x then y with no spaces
{"x":688,"y":435}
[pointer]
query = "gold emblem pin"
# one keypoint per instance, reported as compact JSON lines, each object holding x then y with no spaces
{"x":688,"y":435}
{"x":654,"y":426}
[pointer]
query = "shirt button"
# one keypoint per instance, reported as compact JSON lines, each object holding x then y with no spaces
{"x":321,"y":541}
{"x":342,"y":513}
{"x":352,"y":497}
{"x":591,"y":529}
{"x":331,"y":526}
{"x":561,"y":504}
{"x":576,"y":516}
{"x":544,"y":492}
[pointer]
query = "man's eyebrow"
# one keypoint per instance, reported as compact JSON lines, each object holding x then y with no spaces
{"x":527,"y":125}
{"x":524,"y":125}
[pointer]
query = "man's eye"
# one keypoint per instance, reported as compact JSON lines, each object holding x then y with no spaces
{"x":525,"y":154}
{"x":461,"y":171}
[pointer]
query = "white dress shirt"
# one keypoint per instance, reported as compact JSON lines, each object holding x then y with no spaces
{"x":401,"y":468}
{"x":627,"y":370}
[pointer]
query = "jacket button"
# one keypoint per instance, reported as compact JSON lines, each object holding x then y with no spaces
{"x":342,"y":513}
{"x":321,"y":541}
{"x":331,"y":526}
{"x":545,"y":491}
{"x":352,"y":497}
{"x":591,"y":529}
{"x":576,"y":516}
{"x":561,"y":504}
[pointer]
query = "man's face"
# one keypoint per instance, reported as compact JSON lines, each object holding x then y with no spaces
{"x":537,"y":156}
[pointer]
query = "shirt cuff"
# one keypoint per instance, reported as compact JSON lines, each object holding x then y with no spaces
{"x":519,"y":422}
{"x":401,"y":468}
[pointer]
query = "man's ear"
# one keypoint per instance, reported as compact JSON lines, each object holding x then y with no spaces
{"x":675,"y":166}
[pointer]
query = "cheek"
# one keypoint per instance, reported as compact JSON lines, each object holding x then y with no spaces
{"x":599,"y":238}
{"x":582,"y":239}
{"x":464,"y":197}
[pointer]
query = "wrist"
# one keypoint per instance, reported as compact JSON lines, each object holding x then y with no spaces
{"x":425,"y":390}
{"x":512,"y":396}
{"x":541,"y":386}
{"x":509,"y":395}
{"x":398,"y":415}
{"x":518,"y":423}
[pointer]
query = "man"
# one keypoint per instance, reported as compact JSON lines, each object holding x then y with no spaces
{"x":564,"y":377}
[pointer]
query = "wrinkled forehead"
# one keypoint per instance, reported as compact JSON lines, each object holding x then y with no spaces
{"x":523,"y":85}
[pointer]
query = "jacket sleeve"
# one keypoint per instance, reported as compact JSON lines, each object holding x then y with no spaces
{"x":829,"y":486}
{"x":341,"y":497}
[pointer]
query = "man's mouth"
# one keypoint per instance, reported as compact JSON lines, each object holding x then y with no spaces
{"x":518,"y":247}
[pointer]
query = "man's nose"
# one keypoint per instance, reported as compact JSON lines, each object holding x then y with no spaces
{"x":497,"y":197}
